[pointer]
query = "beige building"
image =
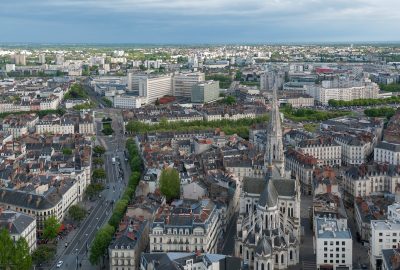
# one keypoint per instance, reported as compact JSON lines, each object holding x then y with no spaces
{"x":19,"y":225}
{"x":325,"y":150}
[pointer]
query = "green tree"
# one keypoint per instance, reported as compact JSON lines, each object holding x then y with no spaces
{"x":67,"y":151}
{"x":22,"y":259}
{"x":230,"y":100}
{"x":43,"y":254}
{"x":100,"y":243}
{"x":99,"y":174}
{"x":14,"y":255}
{"x":93,"y":189}
{"x":6,"y":249}
{"x":170,"y":183}
{"x":51,"y":228}
{"x":98,"y":161}
{"x":99,"y":150}
{"x":77,"y":212}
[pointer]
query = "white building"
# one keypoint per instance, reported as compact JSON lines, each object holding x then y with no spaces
{"x":385,"y":234}
{"x":174,"y":230}
{"x":19,"y":225}
{"x":325,"y":150}
{"x":386,"y":152}
{"x":345,"y":91}
{"x":183,"y":82}
{"x":127,"y":102}
{"x":362,"y":180}
{"x":153,"y":88}
{"x":355,"y":149}
{"x":333,"y":244}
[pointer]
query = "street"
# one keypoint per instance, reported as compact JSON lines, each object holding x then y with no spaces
{"x":79,"y":241}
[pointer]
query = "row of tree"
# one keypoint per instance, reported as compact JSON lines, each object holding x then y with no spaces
{"x":76,"y":91}
{"x":304,"y":114}
{"x":393,"y":87}
{"x":240,"y":127}
{"x":104,"y":235}
{"x":364,"y":102}
{"x":380,"y":112}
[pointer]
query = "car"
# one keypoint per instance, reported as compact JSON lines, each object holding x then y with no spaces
{"x":66,"y":244}
{"x":59,"y":264}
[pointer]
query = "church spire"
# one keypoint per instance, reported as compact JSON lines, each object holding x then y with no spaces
{"x":274,"y":158}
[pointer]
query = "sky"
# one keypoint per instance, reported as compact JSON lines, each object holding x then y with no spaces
{"x":199,"y":21}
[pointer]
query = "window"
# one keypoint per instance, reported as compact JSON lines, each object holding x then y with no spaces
{"x":343,"y":243}
{"x":325,"y":243}
{"x":325,"y":249}
{"x":276,"y":258}
{"x":343,"y":249}
{"x":325,"y":255}
{"x":380,"y":240}
{"x":331,"y":255}
{"x":282,"y":258}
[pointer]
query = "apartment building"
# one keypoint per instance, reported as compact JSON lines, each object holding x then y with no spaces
{"x":19,"y":225}
{"x":324,"y":149}
{"x":301,"y":167}
{"x":365,"y":179}
{"x":355,"y":148}
{"x":130,"y":241}
{"x":386,"y":152}
{"x":333,"y":244}
{"x":186,"y":226}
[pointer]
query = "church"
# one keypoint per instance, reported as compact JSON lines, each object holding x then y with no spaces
{"x":268,"y":226}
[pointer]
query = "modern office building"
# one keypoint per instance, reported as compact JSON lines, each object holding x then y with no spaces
{"x":153,"y":88}
{"x":42,"y":58}
{"x":204,"y":92}
{"x":183,"y":82}
{"x":19,"y":59}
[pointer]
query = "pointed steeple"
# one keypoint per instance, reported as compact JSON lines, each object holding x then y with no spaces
{"x":274,"y":157}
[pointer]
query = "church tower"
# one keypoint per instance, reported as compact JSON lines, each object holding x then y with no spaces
{"x":274,"y":158}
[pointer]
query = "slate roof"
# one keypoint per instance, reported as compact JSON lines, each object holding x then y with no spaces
{"x":15,"y":222}
{"x":253,"y":185}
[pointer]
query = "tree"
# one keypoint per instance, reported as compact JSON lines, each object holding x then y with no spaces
{"x":170,"y":183}
{"x":93,"y":189}
{"x":43,"y":254}
{"x":51,"y":228}
{"x":100,"y":243}
{"x":99,"y":150}
{"x":98,"y":161}
{"x":67,"y":151}
{"x":230,"y":100}
{"x":14,"y":255}
{"x":22,"y":259}
{"x":99,"y":174}
{"x":77,"y":212}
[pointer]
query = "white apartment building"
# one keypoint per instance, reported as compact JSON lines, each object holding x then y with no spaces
{"x":325,"y":150}
{"x":385,"y":234}
{"x":333,"y":244}
{"x":50,"y":202}
{"x":354,"y":150}
{"x":386,"y":152}
{"x":153,"y":88}
{"x":127,"y":102}
{"x":19,"y":225}
{"x":49,"y":103}
{"x":183,"y":82}
{"x":175,"y":230}
{"x":343,"y":91}
{"x":62,"y":126}
{"x":362,"y":180}
{"x":302,"y":168}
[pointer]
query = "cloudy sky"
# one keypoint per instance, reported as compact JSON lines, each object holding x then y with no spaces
{"x":199,"y":21}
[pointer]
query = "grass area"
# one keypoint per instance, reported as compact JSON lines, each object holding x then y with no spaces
{"x":299,"y":115}
{"x":240,"y":127}
{"x":84,"y":106}
{"x":364,"y":102}
{"x":393,"y":87}
{"x":251,"y":84}
{"x":224,"y":80}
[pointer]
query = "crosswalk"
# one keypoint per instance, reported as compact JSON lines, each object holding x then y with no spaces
{"x":309,"y":265}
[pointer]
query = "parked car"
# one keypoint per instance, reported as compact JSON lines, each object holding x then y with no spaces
{"x":59,"y":264}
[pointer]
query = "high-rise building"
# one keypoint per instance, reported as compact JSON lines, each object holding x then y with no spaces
{"x":183,"y":82}
{"x":19,"y":59}
{"x":42,"y":58}
{"x":204,"y":92}
{"x":153,"y":88}
{"x":59,"y":59}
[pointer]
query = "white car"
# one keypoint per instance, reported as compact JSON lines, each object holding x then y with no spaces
{"x":59,"y":264}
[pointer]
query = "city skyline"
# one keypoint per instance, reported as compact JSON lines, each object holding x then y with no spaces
{"x":199,"y":22}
